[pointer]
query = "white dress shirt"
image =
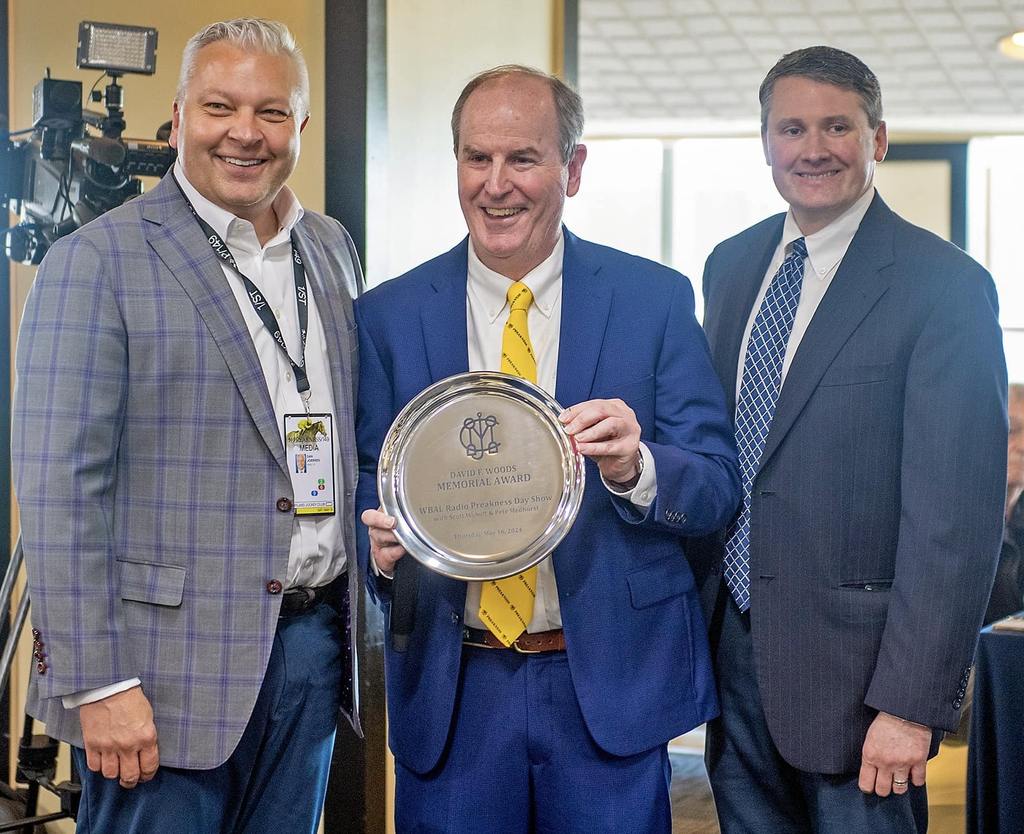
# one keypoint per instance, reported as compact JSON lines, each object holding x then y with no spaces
{"x":825,"y":251}
{"x":487,"y":311}
{"x":317,"y":554}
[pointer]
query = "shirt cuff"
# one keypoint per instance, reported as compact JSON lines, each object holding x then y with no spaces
{"x":90,"y":696}
{"x":646,"y":490}
{"x":378,"y":572}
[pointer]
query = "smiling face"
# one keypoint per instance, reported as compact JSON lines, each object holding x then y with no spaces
{"x":512,"y":181}
{"x":821,"y":149}
{"x":237,"y":130}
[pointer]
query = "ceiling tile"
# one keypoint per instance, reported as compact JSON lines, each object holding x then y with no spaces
{"x":705,"y":58}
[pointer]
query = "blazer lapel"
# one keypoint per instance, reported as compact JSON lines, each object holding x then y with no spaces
{"x":741,"y":286}
{"x":855,"y":289}
{"x":587,"y":293}
{"x":179,"y":242}
{"x":443,"y":316}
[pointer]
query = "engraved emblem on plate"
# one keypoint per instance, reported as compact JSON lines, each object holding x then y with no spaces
{"x":477,"y":435}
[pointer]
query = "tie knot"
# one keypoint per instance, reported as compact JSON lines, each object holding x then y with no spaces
{"x":798,"y":247}
{"x":519,"y":296}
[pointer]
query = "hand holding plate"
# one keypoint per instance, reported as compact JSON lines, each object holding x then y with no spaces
{"x":607,"y":432}
{"x":384,"y":546}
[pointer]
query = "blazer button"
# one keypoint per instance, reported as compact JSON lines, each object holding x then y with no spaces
{"x":284,"y":504}
{"x":274,"y":586}
{"x":41,"y":668}
{"x":956,"y":703}
{"x":38,"y":655}
{"x":36,"y":633}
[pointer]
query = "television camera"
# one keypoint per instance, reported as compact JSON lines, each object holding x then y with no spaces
{"x":76,"y":165}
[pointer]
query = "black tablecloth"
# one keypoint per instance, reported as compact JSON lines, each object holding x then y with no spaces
{"x":995,"y":763}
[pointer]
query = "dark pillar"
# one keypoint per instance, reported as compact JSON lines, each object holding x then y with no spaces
{"x":571,"y":41}
{"x":356,"y":132}
{"x":356,"y":103}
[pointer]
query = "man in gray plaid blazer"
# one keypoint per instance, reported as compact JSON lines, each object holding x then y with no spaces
{"x":185,"y":468}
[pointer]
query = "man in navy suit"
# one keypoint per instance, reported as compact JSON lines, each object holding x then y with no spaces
{"x":863,"y":358}
{"x":565,"y":729}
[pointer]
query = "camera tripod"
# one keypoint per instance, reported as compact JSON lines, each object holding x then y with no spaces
{"x":37,"y":754}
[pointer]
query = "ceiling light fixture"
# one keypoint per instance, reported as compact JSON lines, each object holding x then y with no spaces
{"x":1012,"y":46}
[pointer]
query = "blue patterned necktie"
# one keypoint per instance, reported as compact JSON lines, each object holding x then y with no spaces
{"x":755,"y":409}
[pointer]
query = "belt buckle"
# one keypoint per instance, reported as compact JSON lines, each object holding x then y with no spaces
{"x":467,"y":641}
{"x":515,"y":645}
{"x":308,"y":600}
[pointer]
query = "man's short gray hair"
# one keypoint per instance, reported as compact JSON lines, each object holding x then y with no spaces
{"x":568,"y":105}
{"x":251,"y":34}
{"x":826,"y":65}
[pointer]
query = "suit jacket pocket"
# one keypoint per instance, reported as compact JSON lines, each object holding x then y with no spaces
{"x":855,"y":374}
{"x":629,"y":392}
{"x":664,"y":579}
{"x":153,"y":583}
{"x":868,"y":586}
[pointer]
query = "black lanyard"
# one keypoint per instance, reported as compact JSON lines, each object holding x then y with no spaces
{"x":259,"y":302}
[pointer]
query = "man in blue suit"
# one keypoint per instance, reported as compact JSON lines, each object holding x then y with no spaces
{"x":863,"y":358}
{"x":561,"y":724}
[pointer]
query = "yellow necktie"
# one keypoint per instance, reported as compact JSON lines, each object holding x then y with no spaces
{"x":506,"y":605}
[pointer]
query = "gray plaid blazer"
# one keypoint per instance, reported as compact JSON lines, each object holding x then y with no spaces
{"x":148,"y":469}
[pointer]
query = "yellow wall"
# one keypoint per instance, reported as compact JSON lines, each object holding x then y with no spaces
{"x":45,"y":34}
{"x":919,"y":190}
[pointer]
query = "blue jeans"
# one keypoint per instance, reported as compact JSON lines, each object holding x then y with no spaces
{"x":275,"y":780}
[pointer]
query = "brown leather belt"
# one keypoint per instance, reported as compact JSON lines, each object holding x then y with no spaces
{"x":541,"y":641}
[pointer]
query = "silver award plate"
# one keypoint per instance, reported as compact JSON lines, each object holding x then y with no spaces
{"x":480,"y":475}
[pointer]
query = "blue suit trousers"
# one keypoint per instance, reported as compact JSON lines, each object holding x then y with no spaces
{"x":520,"y":760}
{"x":275,"y":780}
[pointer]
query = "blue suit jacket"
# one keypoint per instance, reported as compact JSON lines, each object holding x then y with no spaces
{"x":877,"y":511}
{"x":630,"y":610}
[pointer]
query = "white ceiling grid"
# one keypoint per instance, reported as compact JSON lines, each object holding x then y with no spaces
{"x":704,"y":59}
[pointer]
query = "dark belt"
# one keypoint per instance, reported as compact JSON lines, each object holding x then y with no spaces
{"x":297,"y":601}
{"x":541,"y":641}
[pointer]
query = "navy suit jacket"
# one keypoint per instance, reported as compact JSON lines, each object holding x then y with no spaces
{"x":877,"y":511}
{"x":633,"y":626}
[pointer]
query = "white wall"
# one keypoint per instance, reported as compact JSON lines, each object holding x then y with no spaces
{"x":434,"y":48}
